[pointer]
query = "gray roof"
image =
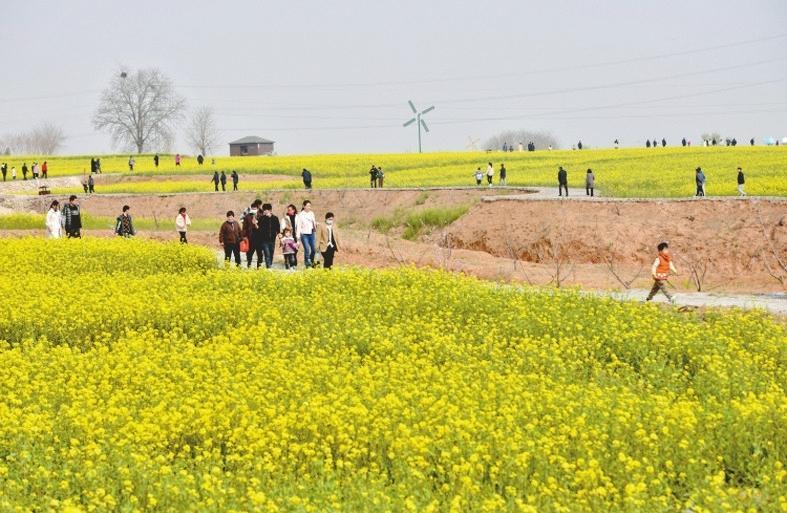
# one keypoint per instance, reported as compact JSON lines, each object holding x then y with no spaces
{"x":251,"y":139}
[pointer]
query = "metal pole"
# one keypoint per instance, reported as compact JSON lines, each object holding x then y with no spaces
{"x":418,"y":121}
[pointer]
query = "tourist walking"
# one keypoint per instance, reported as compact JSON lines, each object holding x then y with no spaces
{"x":741,"y":183}
{"x":229,"y":237}
{"x":660,"y":270}
{"x":177,"y":160}
{"x":235,"y":178}
{"x":328,"y":240}
{"x":24,"y":171}
{"x":182,"y":223}
{"x":252,"y":233}
{"x":307,"y":179}
{"x":380,"y":177}
{"x":590,"y":182}
{"x":223,"y":181}
{"x":91,"y":185}
{"x":289,"y":248}
{"x":155,"y":160}
{"x":13,"y":173}
{"x":373,"y":177}
{"x":4,"y":170}
{"x":562,"y":181}
{"x":269,"y":230}
{"x":490,"y":173}
{"x":288,"y":223}
{"x":131,"y":163}
{"x":502,"y":180}
{"x":306,"y":227}
{"x":479,"y":175}
{"x":44,"y":170}
{"x":72,"y":218}
{"x":124,"y":226}
{"x":54,"y":220}
{"x":215,"y":181}
{"x":699,"y":178}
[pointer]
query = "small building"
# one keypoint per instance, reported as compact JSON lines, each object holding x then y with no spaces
{"x":251,"y":145}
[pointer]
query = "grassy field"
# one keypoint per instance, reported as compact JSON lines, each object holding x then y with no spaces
{"x":660,"y":172}
{"x":134,"y":376}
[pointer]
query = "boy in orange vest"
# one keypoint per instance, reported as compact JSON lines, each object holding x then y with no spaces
{"x":661,"y":269}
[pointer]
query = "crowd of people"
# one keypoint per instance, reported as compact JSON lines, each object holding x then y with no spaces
{"x":36,"y":171}
{"x":258,"y":232}
{"x":221,"y":179}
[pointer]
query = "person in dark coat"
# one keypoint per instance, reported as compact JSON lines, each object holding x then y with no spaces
{"x":91,"y":185}
{"x":647,"y":143}
{"x":752,"y":141}
{"x":235,"y":177}
{"x":579,"y":145}
{"x":700,"y":179}
{"x":269,"y":230}
{"x":252,"y":233}
{"x":215,"y":181}
{"x":24,"y":171}
{"x":562,"y":181}
{"x":155,"y":160}
{"x":223,"y":181}
{"x":307,"y":178}
{"x":72,"y":218}
{"x":373,"y":177}
{"x":663,"y":143}
{"x":741,"y":183}
{"x":683,"y":142}
{"x":124,"y":225}
{"x":200,"y":159}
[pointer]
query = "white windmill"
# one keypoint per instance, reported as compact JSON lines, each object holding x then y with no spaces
{"x":420,"y":122}
{"x":472,"y":143}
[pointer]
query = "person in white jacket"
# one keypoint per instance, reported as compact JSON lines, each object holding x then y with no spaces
{"x":182,"y":223}
{"x":54,"y":226}
{"x":306,"y":228}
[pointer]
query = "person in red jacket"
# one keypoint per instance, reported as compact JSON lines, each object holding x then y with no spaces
{"x":661,"y":269}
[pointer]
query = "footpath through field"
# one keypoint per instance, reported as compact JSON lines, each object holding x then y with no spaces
{"x":775,"y":303}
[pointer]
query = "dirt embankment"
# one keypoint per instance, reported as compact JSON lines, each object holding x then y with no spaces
{"x":735,"y":243}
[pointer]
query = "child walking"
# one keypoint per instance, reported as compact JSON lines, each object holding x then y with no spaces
{"x":661,"y":269}
{"x":288,"y":248}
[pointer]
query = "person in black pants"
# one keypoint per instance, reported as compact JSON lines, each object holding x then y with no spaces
{"x":562,"y":181}
{"x":229,"y":237}
{"x":327,"y":240}
{"x":234,"y":180}
{"x":269,"y":230}
{"x":251,"y":230}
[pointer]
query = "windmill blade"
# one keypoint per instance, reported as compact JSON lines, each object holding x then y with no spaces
{"x":430,"y":109}
{"x":409,"y":122}
{"x":423,"y":124}
{"x":415,"y":111}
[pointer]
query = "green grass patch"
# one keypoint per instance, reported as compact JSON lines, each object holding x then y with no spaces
{"x":430,"y":219}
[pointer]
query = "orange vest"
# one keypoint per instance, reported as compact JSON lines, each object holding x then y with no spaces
{"x":662,"y":271}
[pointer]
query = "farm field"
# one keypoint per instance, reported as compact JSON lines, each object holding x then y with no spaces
{"x":149,"y":380}
{"x":638,"y":172}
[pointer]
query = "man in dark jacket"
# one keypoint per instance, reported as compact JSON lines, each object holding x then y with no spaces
{"x":235,"y":177}
{"x":72,"y":218}
{"x":741,"y":183}
{"x":307,"y":178}
{"x":223,"y":181}
{"x":562,"y":181}
{"x":252,"y":233}
{"x":269,"y":231}
{"x":215,"y":181}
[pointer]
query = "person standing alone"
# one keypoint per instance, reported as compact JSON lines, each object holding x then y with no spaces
{"x":182,"y":223}
{"x":699,"y":178}
{"x":562,"y":181}
{"x":590,"y":182}
{"x":503,"y":174}
{"x":741,"y":183}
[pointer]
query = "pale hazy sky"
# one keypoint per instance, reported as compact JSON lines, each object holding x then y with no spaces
{"x":321,"y":77}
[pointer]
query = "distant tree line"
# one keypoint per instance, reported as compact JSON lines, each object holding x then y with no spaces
{"x":542,"y":140}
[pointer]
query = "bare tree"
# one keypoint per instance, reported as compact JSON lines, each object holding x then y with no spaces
{"x":202,"y":133}
{"x":773,"y":258}
{"x":140,"y":109}
{"x":542,"y":140}
{"x":45,"y":139}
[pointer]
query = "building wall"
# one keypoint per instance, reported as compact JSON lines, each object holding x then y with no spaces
{"x":252,"y":149}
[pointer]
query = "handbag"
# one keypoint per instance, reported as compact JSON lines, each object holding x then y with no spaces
{"x":244,"y":245}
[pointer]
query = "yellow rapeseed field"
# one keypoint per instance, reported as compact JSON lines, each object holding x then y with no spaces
{"x":134,"y":376}
{"x":632,"y":172}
